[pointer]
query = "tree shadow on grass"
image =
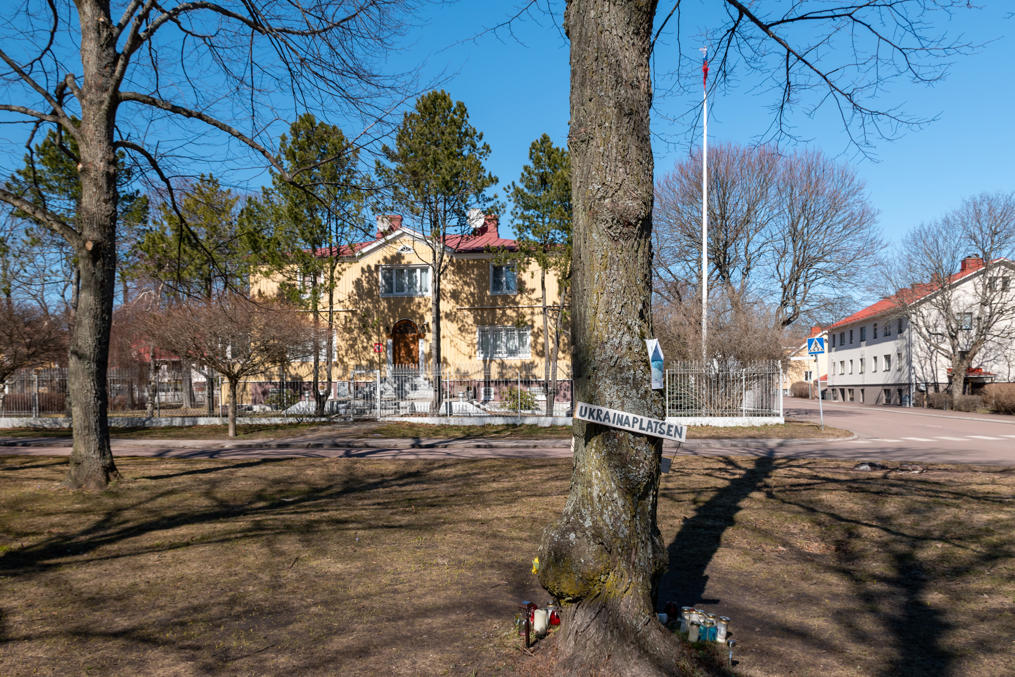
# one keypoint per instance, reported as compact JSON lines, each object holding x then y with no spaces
{"x":900,"y":540}
{"x":700,"y":536}
{"x":256,"y":619}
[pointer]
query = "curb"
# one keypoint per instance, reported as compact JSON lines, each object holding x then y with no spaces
{"x":405,"y":443}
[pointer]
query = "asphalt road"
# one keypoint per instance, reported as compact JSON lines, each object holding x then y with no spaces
{"x":884,"y":434}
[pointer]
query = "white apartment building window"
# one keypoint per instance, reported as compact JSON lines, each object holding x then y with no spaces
{"x":503,"y":342}
{"x":888,"y":362}
{"x":833,"y":340}
{"x":899,"y":328}
{"x":842,"y":338}
{"x":850,"y":337}
{"x":888,"y":328}
{"x":875,"y":333}
{"x":998,"y":283}
{"x":842,"y":367}
{"x":861,"y":365}
{"x":808,"y":375}
{"x":863,"y":334}
{"x":851,"y":366}
{"x":965,"y":320}
{"x":503,"y":279}
{"x":874,"y":363}
{"x":898,"y":361}
{"x":405,"y":281}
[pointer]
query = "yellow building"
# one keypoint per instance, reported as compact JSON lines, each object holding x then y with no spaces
{"x":491,"y":310}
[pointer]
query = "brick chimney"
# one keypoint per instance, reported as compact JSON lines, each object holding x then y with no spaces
{"x":489,"y":226}
{"x":387,"y":223}
{"x":970,"y":263}
{"x":815,"y":330}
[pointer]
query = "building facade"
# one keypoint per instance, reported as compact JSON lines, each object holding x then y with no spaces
{"x":491,"y":308}
{"x":877,"y":356}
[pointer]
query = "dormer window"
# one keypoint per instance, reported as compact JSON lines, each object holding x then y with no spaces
{"x":503,"y":279}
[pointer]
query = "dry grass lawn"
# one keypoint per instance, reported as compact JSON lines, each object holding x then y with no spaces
{"x":364,"y":567}
{"x":404,"y":429}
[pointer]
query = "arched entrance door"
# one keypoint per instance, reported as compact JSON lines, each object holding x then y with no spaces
{"x":405,"y":337}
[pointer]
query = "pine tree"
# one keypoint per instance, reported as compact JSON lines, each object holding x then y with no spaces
{"x":436,"y":174}
{"x":542,"y":221}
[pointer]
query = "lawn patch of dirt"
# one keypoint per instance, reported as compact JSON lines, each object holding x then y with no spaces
{"x":362,"y":567}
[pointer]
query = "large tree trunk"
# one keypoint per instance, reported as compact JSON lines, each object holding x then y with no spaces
{"x":91,"y":461}
{"x":605,"y":552}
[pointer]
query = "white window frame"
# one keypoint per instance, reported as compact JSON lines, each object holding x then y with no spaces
{"x":422,"y":271}
{"x":874,"y":363}
{"x":519,"y":337}
{"x":510,"y":266}
{"x":887,"y":361}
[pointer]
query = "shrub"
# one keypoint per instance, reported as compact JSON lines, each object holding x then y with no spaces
{"x":939,"y":400}
{"x":282,"y":399}
{"x":800,"y":389}
{"x":519,"y":399}
{"x":1000,"y":397}
{"x":968,"y":403}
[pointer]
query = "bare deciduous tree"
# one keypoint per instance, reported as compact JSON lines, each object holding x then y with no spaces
{"x":181,"y":68}
{"x":955,"y":283}
{"x":795,"y":231}
{"x":232,"y":336}
{"x":28,"y":338}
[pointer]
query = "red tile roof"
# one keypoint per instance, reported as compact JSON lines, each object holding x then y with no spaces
{"x":484,"y":238}
{"x":910,"y":295}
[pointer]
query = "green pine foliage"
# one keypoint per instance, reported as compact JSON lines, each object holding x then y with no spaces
{"x":541,"y":211}
{"x":435,"y":170}
{"x":203,"y":253}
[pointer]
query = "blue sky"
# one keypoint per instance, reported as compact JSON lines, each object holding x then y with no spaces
{"x":515,"y":85}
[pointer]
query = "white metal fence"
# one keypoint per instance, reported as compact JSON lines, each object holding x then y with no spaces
{"x":693,"y":389}
{"x":704,"y":389}
{"x":410,"y":391}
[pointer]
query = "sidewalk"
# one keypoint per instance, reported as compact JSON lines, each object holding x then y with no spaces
{"x":124,"y":447}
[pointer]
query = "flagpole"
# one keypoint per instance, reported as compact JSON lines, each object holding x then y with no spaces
{"x":704,"y":203}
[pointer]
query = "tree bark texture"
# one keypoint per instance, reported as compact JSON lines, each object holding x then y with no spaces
{"x":91,"y":461}
{"x":603,"y":555}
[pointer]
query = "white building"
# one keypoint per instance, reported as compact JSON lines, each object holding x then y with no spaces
{"x":876,"y":357}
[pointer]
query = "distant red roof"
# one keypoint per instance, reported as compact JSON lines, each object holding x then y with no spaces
{"x":912,"y":294}
{"x":484,"y":238}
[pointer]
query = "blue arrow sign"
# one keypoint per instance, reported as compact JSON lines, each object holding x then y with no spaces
{"x":815,"y":346}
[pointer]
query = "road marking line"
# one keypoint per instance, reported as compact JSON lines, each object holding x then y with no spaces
{"x":953,"y":439}
{"x":984,"y":437}
{"x":918,"y":439}
{"x":1011,"y":436}
{"x":883,"y":439}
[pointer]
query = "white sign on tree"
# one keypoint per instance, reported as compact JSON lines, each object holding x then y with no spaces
{"x":632,"y":422}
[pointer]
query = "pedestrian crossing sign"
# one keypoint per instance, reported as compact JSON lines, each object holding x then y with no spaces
{"x":815,"y":346}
